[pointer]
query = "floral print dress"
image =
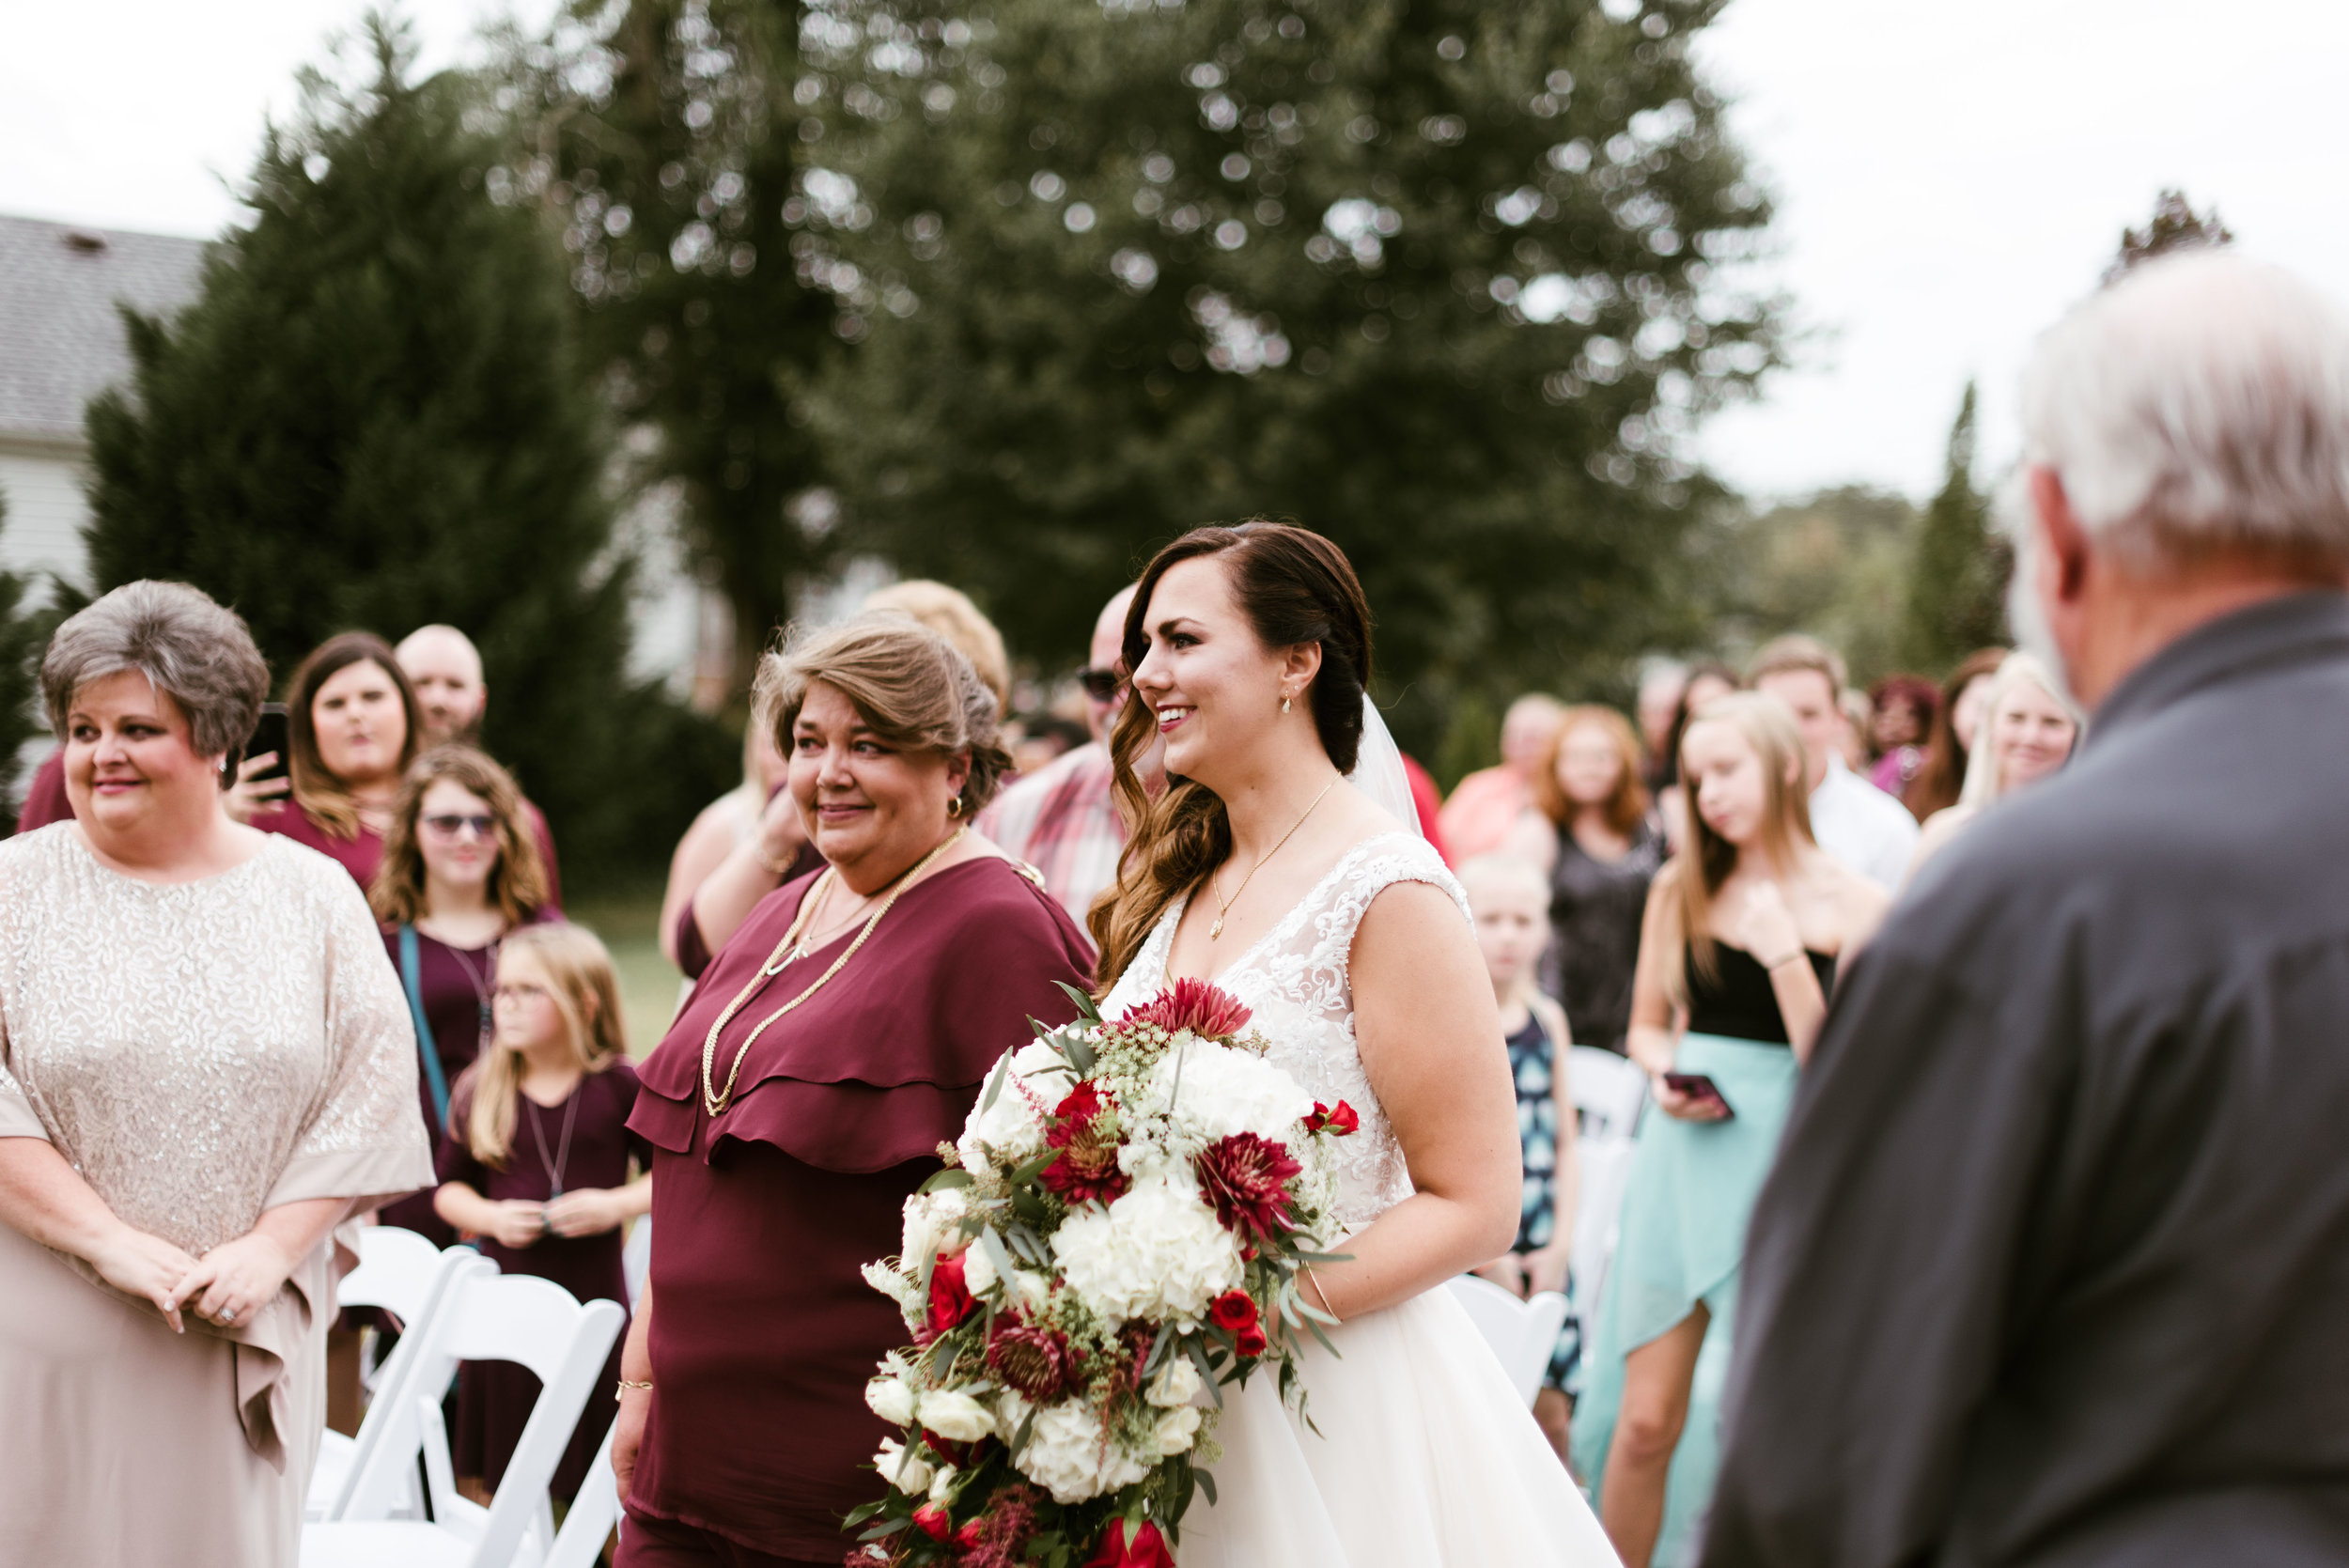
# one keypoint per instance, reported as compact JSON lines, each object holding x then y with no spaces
{"x":1532,"y":1062}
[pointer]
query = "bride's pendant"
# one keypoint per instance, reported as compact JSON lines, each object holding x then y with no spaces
{"x":1217,"y":929}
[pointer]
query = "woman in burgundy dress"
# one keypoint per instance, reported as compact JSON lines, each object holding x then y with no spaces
{"x":836,"y":1041}
{"x":353,"y":724}
{"x":537,"y":1166}
{"x":460,"y":869}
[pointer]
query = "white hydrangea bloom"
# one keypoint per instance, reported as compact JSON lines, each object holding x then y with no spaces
{"x":978,"y":1270}
{"x":1012,"y":1127}
{"x":1158,"y":1251}
{"x":956,"y":1416}
{"x":1225,"y":1092}
{"x":1067,"y":1456}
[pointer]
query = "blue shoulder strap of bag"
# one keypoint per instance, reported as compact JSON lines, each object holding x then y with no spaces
{"x":427,"y":1048}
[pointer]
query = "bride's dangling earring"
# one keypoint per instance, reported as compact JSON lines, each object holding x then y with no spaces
{"x":1284,"y":704}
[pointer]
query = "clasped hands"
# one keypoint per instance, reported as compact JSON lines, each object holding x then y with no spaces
{"x":226,"y":1287}
{"x":589,"y":1211}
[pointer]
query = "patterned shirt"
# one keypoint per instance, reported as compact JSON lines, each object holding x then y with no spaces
{"x":1061,"y":820}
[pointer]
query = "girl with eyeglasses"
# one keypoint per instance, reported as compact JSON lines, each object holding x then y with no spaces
{"x":461,"y":871}
{"x":537,"y":1164}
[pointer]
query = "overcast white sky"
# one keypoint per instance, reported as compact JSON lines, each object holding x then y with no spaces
{"x":1949,"y":177}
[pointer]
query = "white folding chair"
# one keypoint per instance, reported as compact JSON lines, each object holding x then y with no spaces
{"x":1608,"y":1091}
{"x":489,"y":1317}
{"x":595,"y":1514}
{"x":636,"y":1258}
{"x":407,"y":1276}
{"x":1522,"y":1334}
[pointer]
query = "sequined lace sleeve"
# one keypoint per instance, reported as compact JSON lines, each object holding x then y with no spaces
{"x":17,"y":1117}
{"x":363,"y":1139}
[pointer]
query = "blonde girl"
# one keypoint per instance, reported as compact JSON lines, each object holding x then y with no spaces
{"x":1737,"y":955}
{"x":536,"y":1165}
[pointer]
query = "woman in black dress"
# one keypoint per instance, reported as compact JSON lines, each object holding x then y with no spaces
{"x":1589,"y":832}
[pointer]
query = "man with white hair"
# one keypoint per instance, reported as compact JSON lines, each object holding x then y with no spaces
{"x":444,"y":667}
{"x":1062,"y":818}
{"x":2054,"y":1266}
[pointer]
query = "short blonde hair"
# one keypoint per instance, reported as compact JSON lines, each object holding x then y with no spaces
{"x":1983,"y":783}
{"x":913,"y":687}
{"x":950,"y":613}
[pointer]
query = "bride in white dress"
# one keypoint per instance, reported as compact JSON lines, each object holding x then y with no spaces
{"x":1264,"y":869}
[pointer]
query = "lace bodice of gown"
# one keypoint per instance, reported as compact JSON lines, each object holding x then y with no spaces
{"x":1295,"y":980}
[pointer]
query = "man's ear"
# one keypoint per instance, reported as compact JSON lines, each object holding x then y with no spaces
{"x":2063,"y":543}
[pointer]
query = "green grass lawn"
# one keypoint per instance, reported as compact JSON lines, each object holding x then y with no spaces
{"x":648,"y":982}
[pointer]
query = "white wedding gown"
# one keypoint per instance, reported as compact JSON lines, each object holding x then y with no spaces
{"x":1425,"y":1457}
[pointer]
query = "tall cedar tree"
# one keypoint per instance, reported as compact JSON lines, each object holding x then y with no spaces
{"x":1957,"y":579}
{"x":666,"y":136}
{"x":24,"y":631}
{"x":373,"y":416}
{"x":1447,"y":281}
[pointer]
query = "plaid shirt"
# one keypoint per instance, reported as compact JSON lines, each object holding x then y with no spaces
{"x":1061,"y":820}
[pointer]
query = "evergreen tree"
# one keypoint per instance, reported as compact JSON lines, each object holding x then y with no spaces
{"x":23,"y":634}
{"x":669,"y":139}
{"x":2174,"y":226}
{"x":373,"y":416}
{"x":1957,"y":580}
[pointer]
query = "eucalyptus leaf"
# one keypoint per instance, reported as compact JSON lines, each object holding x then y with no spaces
{"x":1198,"y":1353}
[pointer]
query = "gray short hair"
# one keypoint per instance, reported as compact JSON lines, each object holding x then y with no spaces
{"x":2200,"y":403}
{"x":195,"y":652}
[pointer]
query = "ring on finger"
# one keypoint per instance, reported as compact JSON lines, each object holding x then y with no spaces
{"x":228,"y":1313}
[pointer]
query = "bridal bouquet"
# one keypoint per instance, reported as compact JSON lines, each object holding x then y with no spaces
{"x":1125,"y":1216}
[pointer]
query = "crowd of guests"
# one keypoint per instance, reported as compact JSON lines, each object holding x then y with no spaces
{"x":1977,"y":1174}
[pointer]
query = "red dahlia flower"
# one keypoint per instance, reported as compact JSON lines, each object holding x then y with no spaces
{"x":1207,"y":1011}
{"x":1243,"y":1177}
{"x":1337,"y":1122}
{"x":1087,"y":1167}
{"x":1234,"y":1310}
{"x":1145,"y":1548}
{"x":1034,"y":1360}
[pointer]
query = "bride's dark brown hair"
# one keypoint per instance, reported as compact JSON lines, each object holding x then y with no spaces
{"x":1295,"y":587}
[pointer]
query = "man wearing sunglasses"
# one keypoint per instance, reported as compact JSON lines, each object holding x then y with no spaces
{"x":1061,"y":818}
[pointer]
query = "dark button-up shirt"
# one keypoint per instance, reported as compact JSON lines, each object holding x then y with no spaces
{"x":2054,"y":1266}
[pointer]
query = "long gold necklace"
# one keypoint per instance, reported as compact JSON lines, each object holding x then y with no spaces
{"x":715,"y":1099}
{"x":1223,"y":905}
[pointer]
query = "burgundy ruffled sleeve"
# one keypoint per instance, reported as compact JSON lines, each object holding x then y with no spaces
{"x":884,"y":1061}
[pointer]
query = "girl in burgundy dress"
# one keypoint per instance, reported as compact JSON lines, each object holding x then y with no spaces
{"x":537,"y":1166}
{"x":461,"y":869}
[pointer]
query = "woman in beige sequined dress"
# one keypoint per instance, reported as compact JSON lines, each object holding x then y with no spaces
{"x":205,"y":1067}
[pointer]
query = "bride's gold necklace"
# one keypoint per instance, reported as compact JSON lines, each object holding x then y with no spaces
{"x":1223,"y":905}
{"x":714,"y":1099}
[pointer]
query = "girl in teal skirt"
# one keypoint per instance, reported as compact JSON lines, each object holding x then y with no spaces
{"x":1738,"y":954}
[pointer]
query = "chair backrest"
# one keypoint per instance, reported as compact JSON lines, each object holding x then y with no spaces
{"x":1608,"y":1091}
{"x":397,"y":1270}
{"x":594,"y":1514}
{"x":1521,"y":1334}
{"x":405,"y":1274}
{"x":1603,"y":1171}
{"x":493,"y":1317}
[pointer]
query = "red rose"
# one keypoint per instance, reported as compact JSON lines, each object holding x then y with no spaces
{"x":1145,"y":1549}
{"x":1234,"y":1310}
{"x":1250,"y":1342}
{"x":1337,"y":1122}
{"x":933,"y":1521}
{"x":1245,"y":1178}
{"x":1086,"y":1171}
{"x":971,"y":1534}
{"x":950,"y":1296}
{"x":1207,"y":1011}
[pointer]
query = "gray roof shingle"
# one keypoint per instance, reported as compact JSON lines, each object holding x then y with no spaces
{"x":61,"y":338}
